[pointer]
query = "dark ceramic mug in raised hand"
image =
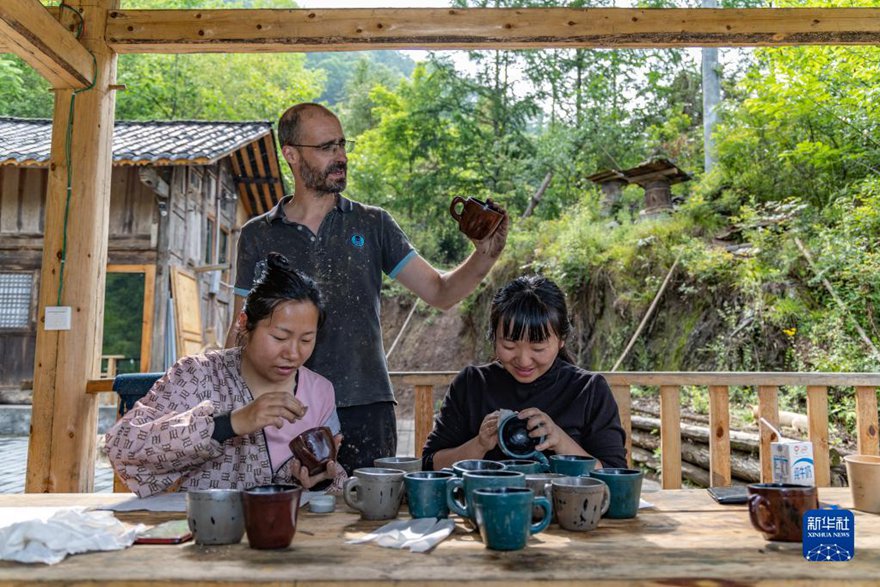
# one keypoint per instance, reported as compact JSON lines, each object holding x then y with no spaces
{"x":477,"y":219}
{"x":777,"y":509}
{"x":314,"y":448}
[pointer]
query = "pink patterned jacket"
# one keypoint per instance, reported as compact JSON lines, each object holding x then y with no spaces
{"x":164,"y":443}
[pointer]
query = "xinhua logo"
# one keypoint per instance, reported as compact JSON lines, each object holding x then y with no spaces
{"x":829,"y":535}
{"x":357,"y":240}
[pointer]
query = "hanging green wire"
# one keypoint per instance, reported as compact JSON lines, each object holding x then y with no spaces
{"x":68,"y":156}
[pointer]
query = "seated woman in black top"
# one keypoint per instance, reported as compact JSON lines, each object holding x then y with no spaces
{"x":533,"y":375}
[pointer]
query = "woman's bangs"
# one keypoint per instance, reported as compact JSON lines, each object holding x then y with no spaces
{"x":526,"y":321}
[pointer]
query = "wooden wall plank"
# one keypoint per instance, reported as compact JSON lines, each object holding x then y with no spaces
{"x":38,"y":38}
{"x":9,"y":200}
{"x":670,"y":436}
{"x":866,"y":420}
{"x":623,"y":397}
{"x":719,"y":436}
{"x":817,"y":416}
{"x":63,"y":433}
{"x":217,"y":31}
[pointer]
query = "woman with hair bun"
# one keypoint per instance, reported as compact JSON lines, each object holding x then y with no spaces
{"x":533,"y":375}
{"x":224,"y":419}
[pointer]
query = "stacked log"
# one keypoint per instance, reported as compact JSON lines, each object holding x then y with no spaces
{"x":745,"y":461}
{"x":745,"y":465}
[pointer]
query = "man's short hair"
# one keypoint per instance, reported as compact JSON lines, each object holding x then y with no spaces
{"x":289,"y":123}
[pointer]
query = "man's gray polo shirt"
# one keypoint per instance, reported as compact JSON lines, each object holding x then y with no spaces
{"x":355,"y":244}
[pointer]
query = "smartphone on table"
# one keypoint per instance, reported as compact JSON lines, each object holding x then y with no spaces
{"x":730,"y":495}
{"x":171,"y":532}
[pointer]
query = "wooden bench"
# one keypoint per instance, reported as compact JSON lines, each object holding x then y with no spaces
{"x":864,"y":386}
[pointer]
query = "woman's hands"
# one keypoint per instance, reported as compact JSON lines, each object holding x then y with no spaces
{"x":302,"y":473}
{"x":269,"y":409}
{"x":555,"y":438}
{"x":487,"y":437}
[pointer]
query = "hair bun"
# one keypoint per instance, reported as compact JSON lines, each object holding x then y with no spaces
{"x":278,"y":261}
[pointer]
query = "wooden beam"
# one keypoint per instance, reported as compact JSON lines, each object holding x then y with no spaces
{"x":246,"y":31}
{"x":31,"y":32}
{"x":61,"y":452}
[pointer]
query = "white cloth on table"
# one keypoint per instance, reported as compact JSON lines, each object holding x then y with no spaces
{"x":69,"y":531}
{"x":418,"y":535}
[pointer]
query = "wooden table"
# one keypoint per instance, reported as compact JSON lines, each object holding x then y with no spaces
{"x":688,"y":538}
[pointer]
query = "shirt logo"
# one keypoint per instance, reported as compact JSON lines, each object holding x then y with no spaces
{"x":829,"y":535}
{"x":358,"y":240}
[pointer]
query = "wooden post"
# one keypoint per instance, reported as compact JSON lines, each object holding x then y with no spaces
{"x":866,"y":420}
{"x":670,"y":436}
{"x":768,"y":408}
{"x":719,"y":436}
{"x":424,"y":415}
{"x":817,"y":415}
{"x":61,"y":454}
{"x":623,"y":397}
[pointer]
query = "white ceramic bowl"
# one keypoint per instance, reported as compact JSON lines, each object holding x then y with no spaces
{"x":863,"y":472}
{"x":322,"y":504}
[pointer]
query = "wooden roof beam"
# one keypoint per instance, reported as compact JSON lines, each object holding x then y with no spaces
{"x":31,"y":32}
{"x":243,"y":31}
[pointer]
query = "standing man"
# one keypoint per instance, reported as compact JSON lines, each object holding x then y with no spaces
{"x":346,"y":246}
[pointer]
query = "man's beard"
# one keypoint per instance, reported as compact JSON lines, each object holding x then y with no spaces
{"x":316,"y":179}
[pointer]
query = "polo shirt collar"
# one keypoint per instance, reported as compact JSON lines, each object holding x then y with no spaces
{"x":343,"y":204}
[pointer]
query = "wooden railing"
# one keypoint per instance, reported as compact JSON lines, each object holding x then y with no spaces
{"x":864,"y":386}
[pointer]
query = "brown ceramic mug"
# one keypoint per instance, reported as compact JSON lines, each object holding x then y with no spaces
{"x":314,"y":448}
{"x":270,"y":513}
{"x":777,"y":509}
{"x":477,"y":219}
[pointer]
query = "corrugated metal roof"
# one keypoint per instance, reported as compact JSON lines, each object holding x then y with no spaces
{"x":27,"y":141}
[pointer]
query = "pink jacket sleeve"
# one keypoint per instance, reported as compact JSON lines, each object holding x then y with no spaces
{"x":168,"y":433}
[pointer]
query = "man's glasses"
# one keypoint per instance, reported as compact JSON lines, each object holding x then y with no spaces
{"x":333,"y":147}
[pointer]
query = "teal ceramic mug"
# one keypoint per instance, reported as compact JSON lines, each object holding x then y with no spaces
{"x":460,"y":492}
{"x":515,"y":441}
{"x":526,"y":466}
{"x":504,"y":516}
{"x":572,"y":465}
{"x":625,"y":486}
{"x":461,"y":467}
{"x":426,"y":493}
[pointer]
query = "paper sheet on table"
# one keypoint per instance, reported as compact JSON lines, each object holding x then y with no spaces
{"x":172,"y":502}
{"x":67,"y":531}
{"x":645,"y":504}
{"x":418,"y":535}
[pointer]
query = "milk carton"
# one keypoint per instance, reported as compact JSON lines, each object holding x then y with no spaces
{"x":793,"y":462}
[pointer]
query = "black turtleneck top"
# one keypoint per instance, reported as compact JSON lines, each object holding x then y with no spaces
{"x":578,"y":401}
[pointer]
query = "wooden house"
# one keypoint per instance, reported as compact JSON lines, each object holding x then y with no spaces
{"x":179,"y":193}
